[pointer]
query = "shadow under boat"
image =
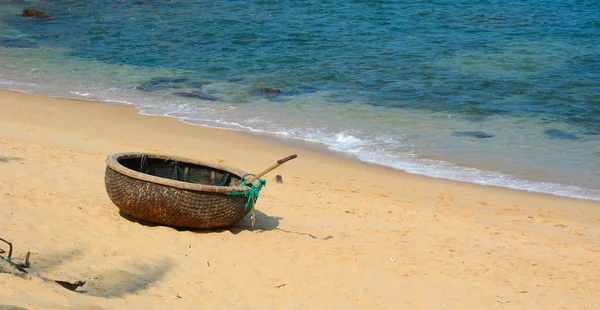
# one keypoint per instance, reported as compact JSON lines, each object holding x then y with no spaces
{"x":262,"y":222}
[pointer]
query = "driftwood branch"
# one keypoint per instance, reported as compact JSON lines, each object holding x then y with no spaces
{"x":23,"y":267}
{"x":10,"y":248}
{"x":27,"y":260}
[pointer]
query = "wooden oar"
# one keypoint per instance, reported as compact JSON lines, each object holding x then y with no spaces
{"x":279,"y":163}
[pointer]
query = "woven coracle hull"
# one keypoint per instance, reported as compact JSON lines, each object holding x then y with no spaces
{"x":171,"y":202}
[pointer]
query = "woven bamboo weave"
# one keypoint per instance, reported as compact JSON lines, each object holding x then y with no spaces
{"x":171,"y":202}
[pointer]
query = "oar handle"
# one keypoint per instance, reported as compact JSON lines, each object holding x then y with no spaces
{"x":279,"y":163}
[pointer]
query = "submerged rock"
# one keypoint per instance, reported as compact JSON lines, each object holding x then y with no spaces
{"x":196,"y":95}
{"x":559,"y":134}
{"x":161,"y":83}
{"x":279,"y":94}
{"x":31,"y":12}
{"x":268,"y":90}
{"x":9,"y":42}
{"x":472,"y":134}
{"x":196,"y":84}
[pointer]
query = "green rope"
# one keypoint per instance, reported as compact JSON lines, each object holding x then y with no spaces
{"x":252,"y":192}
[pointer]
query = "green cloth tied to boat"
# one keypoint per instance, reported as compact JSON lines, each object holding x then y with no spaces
{"x":253,"y":191}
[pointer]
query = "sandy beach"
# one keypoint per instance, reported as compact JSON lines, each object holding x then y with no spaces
{"x":335,"y":234}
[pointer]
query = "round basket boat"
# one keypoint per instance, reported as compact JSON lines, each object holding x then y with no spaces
{"x":177,"y":191}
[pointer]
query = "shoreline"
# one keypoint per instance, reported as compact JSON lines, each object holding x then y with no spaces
{"x":321,"y":148}
{"x":350,"y":162}
{"x":334,"y":234}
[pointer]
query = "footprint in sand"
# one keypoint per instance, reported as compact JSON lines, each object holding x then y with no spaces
{"x":445,"y":197}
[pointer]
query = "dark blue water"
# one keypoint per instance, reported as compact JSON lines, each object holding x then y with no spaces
{"x":393,"y":82}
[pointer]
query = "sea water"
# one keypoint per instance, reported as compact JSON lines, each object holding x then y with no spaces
{"x":503,"y":93}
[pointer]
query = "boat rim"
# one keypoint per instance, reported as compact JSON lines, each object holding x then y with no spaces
{"x":112,"y":162}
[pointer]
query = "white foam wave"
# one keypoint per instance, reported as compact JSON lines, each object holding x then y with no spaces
{"x":86,"y":95}
{"x":347,"y":143}
{"x":120,"y":102}
{"x":381,"y":149}
{"x":445,"y":170}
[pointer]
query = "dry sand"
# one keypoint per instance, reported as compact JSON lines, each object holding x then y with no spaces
{"x":335,"y":235}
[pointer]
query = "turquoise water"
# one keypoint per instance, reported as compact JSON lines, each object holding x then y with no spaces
{"x":393,"y":83}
